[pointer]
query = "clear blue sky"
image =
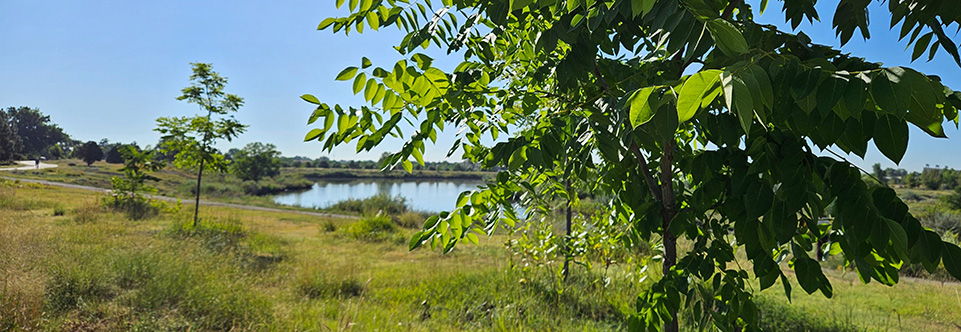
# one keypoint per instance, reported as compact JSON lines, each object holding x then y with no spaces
{"x":108,"y":69}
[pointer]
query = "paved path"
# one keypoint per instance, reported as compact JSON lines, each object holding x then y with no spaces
{"x":28,"y":165}
{"x":185,"y":201}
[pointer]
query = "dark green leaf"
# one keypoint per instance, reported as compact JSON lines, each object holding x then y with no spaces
{"x":891,"y":136}
{"x":951,"y":259}
{"x":727,"y":37}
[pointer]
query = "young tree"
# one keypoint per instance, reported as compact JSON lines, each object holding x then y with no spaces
{"x":90,"y":152}
{"x":695,"y":119}
{"x":256,"y":161}
{"x":127,"y":191}
{"x":9,"y":139}
{"x":194,"y":137}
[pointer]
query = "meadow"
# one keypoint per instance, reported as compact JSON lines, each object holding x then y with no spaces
{"x":66,"y":263}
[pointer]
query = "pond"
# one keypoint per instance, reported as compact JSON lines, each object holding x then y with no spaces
{"x":426,"y":195}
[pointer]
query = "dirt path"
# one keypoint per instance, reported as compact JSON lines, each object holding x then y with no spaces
{"x":28,"y":165}
{"x":185,"y":201}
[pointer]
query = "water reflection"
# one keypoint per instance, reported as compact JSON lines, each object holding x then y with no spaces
{"x":429,"y":195}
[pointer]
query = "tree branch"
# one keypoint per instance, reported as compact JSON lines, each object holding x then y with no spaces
{"x":642,"y":164}
{"x":729,"y":11}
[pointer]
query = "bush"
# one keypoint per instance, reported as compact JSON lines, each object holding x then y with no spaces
{"x":411,"y":219}
{"x":134,"y":207}
{"x":374,"y":229}
{"x":59,"y":211}
{"x":328,"y":226}
{"x":941,"y":220}
{"x":380,"y":203}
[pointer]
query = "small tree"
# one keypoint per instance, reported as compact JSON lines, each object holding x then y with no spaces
{"x":193,"y":137}
{"x":256,"y":161}
{"x":90,"y":152}
{"x":127,"y":190}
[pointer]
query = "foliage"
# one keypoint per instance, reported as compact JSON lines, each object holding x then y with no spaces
{"x":379,"y":203}
{"x":127,"y":191}
{"x":610,"y":85}
{"x":256,"y":161}
{"x":9,"y":139}
{"x":36,"y":132}
{"x":90,"y":152}
{"x":113,"y":155}
{"x":375,"y":228}
{"x":953,"y":199}
{"x":193,"y":137}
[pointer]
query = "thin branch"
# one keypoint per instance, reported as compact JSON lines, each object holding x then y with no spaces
{"x":729,"y":11}
{"x":642,"y":164}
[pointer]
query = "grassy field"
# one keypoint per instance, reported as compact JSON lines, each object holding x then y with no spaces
{"x":67,"y":264}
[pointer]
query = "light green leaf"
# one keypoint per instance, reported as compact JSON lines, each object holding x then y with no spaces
{"x":310,"y":99}
{"x":370,"y":90}
{"x":408,"y":166}
{"x":347,"y":73}
{"x":727,"y":37}
{"x":314,"y":133}
{"x":891,"y":136}
{"x":698,"y":92}
{"x":359,"y":82}
{"x":641,"y":110}
{"x":326,"y":22}
{"x":339,"y":3}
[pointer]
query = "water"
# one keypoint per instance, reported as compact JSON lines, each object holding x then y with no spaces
{"x":428,"y":195}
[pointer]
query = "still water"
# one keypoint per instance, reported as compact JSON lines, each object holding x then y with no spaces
{"x":428,"y":195}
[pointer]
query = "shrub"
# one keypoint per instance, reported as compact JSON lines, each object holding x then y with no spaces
{"x":328,"y":226}
{"x":59,"y":211}
{"x":941,"y":220}
{"x":374,"y":229}
{"x":134,"y":207}
{"x":380,"y":203}
{"x":411,"y":219}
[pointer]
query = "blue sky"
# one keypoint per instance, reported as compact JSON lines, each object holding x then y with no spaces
{"x":108,"y":69}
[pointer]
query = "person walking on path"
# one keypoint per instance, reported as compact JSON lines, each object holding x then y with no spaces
{"x":37,"y":162}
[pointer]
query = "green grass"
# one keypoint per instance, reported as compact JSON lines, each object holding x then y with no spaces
{"x":92,"y":269}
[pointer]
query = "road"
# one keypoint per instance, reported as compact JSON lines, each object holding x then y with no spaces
{"x":28,"y":165}
{"x":185,"y":201}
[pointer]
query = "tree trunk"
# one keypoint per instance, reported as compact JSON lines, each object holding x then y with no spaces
{"x":197,"y":199}
{"x":668,"y":211}
{"x":567,"y":248}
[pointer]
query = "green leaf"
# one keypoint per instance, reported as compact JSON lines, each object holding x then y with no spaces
{"x":359,"y":82}
{"x":758,"y":199}
{"x":698,"y":92}
{"x":727,"y":37}
{"x":408,"y":166}
{"x":314,"y":133}
{"x":641,"y":110}
{"x":951,"y":258}
{"x":347,"y":73}
{"x":370,"y":90}
{"x":890,"y":92}
{"x":641,"y":7}
{"x":310,"y":99}
{"x":423,"y":61}
{"x":738,"y":99}
{"x":931,"y":247}
{"x":326,"y":22}
{"x":365,"y":62}
{"x":855,"y":95}
{"x":339,"y":3}
{"x":899,"y":239}
{"x":891,"y":136}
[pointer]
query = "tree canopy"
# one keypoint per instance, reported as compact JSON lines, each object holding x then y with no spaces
{"x":90,"y":152}
{"x":690,"y":118}
{"x":36,"y":132}
{"x":256,"y":161}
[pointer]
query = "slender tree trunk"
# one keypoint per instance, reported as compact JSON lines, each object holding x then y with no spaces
{"x":567,"y":248}
{"x":197,"y":199}
{"x":668,"y":211}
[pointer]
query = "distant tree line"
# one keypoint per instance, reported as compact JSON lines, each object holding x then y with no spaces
{"x":26,"y":133}
{"x":325,"y":162}
{"x":933,"y":178}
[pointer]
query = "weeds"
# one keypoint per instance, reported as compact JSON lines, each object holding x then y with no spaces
{"x":374,"y":229}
